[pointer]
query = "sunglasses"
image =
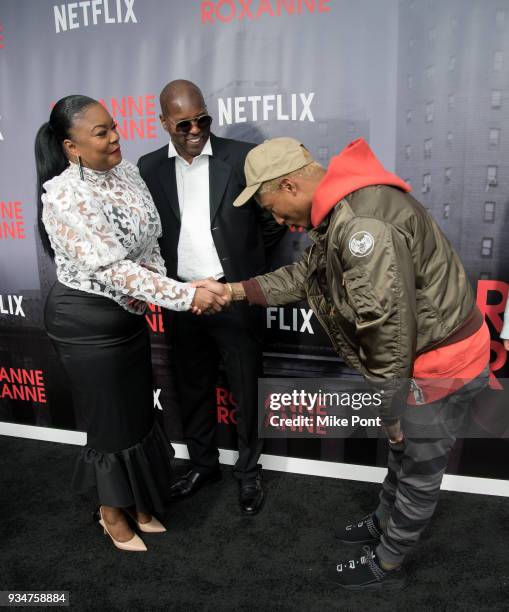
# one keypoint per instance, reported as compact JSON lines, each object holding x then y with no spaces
{"x":203,"y":122}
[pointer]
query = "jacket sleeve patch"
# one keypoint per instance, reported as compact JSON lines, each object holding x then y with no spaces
{"x":361,"y":244}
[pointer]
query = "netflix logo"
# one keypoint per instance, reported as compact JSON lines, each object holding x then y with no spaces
{"x":86,"y":13}
{"x":226,"y":11}
{"x":12,"y":305}
{"x":136,"y":116}
{"x":290,"y":319}
{"x":157,"y":401}
{"x":22,"y":384}
{"x":1,"y":38}
{"x":271,"y":107}
{"x":491,"y":299}
{"x":12,"y":220}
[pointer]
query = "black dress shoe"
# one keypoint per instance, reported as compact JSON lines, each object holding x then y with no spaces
{"x":191,"y":482}
{"x":251,"y":496}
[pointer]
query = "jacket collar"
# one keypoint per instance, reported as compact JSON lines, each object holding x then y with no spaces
{"x":219,"y":175}
{"x":172,"y":151}
{"x":319,"y":233}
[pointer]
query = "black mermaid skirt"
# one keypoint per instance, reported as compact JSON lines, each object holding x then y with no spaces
{"x":105,"y":352}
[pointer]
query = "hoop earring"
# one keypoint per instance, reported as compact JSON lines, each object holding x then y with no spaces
{"x":82,"y":177}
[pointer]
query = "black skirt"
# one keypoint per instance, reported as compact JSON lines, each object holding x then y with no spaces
{"x":105,"y":352}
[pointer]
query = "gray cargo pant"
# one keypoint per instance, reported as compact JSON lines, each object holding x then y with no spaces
{"x":416,"y":467}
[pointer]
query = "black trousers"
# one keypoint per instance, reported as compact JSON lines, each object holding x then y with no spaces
{"x":198,"y":344}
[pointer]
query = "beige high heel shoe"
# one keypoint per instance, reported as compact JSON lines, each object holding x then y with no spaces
{"x":135,"y":544}
{"x":153,"y":526}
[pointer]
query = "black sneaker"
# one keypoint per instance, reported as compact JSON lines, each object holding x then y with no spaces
{"x":365,"y":574}
{"x":366,"y":531}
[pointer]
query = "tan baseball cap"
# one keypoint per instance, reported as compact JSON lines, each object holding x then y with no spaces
{"x":272,"y":159}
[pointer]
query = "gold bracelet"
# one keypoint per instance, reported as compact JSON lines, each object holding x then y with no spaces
{"x":236,"y":295}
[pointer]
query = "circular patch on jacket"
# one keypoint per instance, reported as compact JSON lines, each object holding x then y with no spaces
{"x":361,"y":244}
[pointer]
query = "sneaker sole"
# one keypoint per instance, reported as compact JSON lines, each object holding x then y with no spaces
{"x":392,"y":585}
{"x":366,"y":541}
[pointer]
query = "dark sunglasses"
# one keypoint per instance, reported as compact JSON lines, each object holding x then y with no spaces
{"x":203,"y":122}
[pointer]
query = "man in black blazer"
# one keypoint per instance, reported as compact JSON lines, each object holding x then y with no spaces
{"x":194,"y":181}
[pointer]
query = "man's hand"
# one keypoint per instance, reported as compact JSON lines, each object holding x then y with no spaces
{"x":394,"y":432}
{"x":207,"y":302}
{"x":219,"y":289}
{"x":506,"y":345}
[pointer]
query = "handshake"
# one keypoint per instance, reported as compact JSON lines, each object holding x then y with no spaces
{"x":212,"y":296}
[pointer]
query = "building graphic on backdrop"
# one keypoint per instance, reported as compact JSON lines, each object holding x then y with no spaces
{"x":453,"y":113}
{"x":269,"y":109}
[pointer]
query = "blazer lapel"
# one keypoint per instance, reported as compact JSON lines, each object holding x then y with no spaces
{"x":219,"y":175}
{"x":168,"y":179}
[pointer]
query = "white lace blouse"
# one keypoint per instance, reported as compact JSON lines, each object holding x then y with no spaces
{"x":104,"y":232}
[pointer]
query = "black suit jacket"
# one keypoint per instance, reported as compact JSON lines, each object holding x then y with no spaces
{"x":241,"y":235}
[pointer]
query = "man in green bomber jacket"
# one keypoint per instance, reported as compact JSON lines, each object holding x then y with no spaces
{"x":395,"y":301}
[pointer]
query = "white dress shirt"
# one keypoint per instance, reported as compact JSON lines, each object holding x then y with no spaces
{"x":197,"y":255}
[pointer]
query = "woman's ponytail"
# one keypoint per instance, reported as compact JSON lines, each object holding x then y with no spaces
{"x":50,"y":158}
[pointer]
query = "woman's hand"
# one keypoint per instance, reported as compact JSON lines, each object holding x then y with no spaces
{"x":220,"y":290}
{"x":214,"y":286}
{"x":207,"y":302}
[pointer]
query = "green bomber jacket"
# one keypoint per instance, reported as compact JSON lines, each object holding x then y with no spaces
{"x":381,"y":278}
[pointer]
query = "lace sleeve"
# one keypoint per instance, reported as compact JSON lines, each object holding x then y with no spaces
{"x":154,"y":261}
{"x":78,"y":228}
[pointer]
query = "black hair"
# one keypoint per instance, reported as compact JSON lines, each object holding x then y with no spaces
{"x":50,"y":159}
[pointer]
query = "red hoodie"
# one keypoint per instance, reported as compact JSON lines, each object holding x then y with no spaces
{"x":355,"y":167}
{"x":438,"y":372}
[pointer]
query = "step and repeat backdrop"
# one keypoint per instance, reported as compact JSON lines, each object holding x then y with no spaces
{"x":425,"y":82}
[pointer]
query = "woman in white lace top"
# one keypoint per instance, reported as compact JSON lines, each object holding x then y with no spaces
{"x":104,"y":231}
{"x":98,"y":220}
